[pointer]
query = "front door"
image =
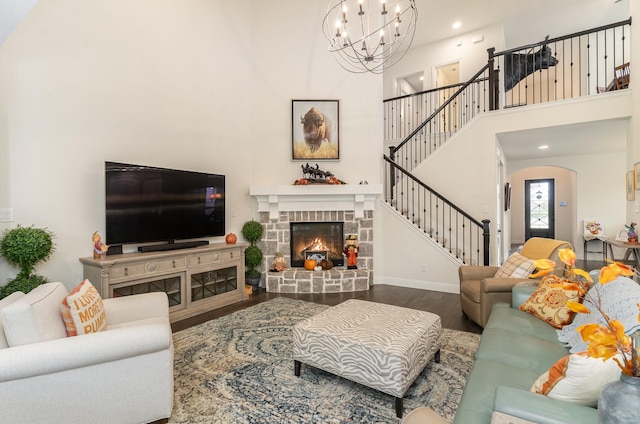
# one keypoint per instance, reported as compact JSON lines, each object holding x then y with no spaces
{"x":539,"y":213}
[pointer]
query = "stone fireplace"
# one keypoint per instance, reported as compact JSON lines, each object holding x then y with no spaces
{"x":282,"y":206}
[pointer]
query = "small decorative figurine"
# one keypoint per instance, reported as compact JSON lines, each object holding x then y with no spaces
{"x":632,"y":236}
{"x":351,"y":251}
{"x":311,"y":175}
{"x":278,"y":263}
{"x":99,"y":248}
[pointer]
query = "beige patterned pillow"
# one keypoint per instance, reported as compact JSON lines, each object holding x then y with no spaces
{"x":549,"y":301}
{"x":516,"y":266}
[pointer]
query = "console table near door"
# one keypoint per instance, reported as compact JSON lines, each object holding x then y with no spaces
{"x":631,"y":249}
{"x":196,"y":280}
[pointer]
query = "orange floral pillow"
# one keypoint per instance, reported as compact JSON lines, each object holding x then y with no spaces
{"x":549,"y":300}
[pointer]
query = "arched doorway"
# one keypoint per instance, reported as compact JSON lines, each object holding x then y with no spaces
{"x":563,"y":210}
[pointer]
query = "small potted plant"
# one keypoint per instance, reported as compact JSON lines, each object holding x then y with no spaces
{"x":252,"y":232}
{"x":25,"y":247}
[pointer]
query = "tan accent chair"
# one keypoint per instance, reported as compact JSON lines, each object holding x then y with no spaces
{"x":479,"y":290}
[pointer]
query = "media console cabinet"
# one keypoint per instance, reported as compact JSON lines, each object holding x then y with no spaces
{"x":196,"y":280}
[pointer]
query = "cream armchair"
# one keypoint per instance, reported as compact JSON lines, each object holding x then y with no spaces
{"x":121,"y":375}
{"x":479,"y":290}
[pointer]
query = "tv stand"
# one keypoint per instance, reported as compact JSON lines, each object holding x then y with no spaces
{"x":196,"y":280}
{"x":172,"y":246}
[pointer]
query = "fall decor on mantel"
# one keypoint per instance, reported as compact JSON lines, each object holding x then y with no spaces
{"x":314,"y":175}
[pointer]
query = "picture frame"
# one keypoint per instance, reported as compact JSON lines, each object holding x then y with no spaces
{"x":636,"y":175}
{"x":622,"y":235}
{"x":316,"y":255}
{"x":632,"y":185}
{"x":321,"y":139}
{"x":507,"y":197}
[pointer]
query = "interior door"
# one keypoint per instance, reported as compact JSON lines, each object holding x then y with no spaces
{"x":539,"y":211}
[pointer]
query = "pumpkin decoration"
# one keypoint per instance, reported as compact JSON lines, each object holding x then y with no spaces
{"x":310,"y":264}
{"x":231,"y":238}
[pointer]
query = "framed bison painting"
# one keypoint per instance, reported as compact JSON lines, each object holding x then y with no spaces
{"x":314,"y":131}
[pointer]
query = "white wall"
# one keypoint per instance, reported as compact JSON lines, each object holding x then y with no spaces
{"x":411,"y":259}
{"x":197,"y":84}
{"x":285,"y":67}
{"x":425,"y":58}
{"x":633,"y":146}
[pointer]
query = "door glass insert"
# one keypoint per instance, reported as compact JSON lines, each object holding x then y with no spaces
{"x":539,"y":205}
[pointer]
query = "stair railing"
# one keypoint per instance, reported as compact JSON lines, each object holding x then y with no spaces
{"x":453,"y":107}
{"x":571,"y":66}
{"x":449,"y":226}
{"x":574,"y":65}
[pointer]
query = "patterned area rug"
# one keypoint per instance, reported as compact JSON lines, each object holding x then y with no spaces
{"x":238,"y":369}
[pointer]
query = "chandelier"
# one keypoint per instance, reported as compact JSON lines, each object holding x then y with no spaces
{"x":369,"y":35}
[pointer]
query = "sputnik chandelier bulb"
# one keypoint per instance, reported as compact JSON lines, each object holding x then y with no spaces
{"x":369,"y":35}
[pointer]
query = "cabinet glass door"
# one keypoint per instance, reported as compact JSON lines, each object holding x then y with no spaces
{"x":170,"y":285}
{"x":212,"y":283}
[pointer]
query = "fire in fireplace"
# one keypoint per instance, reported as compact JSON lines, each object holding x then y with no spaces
{"x":316,"y":237}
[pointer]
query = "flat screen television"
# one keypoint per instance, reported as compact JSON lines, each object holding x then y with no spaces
{"x":150,"y":204}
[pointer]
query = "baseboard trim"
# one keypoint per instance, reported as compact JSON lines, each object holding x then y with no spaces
{"x":419,"y":284}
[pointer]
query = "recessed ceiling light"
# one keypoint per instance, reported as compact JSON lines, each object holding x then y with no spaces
{"x":543,"y":147}
{"x":456,"y":25}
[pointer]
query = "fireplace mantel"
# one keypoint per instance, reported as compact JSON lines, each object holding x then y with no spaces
{"x":292,"y":198}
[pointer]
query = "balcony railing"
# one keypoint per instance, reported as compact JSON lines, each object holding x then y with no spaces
{"x":574,"y":65}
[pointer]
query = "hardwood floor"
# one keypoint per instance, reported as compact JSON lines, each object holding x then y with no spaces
{"x":447,"y":305}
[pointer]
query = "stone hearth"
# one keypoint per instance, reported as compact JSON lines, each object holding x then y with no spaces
{"x":299,"y":280}
{"x":281,"y":205}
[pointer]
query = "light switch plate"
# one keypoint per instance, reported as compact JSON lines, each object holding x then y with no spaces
{"x":6,"y":214}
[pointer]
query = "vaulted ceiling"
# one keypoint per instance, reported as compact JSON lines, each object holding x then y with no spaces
{"x":524,"y":20}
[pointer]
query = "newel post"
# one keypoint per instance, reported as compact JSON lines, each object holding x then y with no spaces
{"x":486,"y":233}
{"x":493,"y":80}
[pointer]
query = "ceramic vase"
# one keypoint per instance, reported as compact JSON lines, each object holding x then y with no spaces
{"x":618,"y":401}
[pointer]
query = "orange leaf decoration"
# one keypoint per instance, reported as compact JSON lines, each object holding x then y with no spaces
{"x":541,"y":273}
{"x":578,"y":307}
{"x":608,"y":340}
{"x":544,"y":264}
{"x":587,"y":330}
{"x":614,"y":270}
{"x":583,"y":273}
{"x":568,"y":256}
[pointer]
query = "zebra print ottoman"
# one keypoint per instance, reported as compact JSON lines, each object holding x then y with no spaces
{"x":380,"y":346}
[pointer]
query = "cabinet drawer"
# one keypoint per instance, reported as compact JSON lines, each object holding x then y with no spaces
{"x":146,"y":268}
{"x":214,"y":257}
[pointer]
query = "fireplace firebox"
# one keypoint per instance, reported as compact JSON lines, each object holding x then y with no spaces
{"x":316,"y":237}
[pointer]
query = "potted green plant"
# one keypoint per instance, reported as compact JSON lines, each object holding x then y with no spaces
{"x":25,"y":247}
{"x":252,"y":232}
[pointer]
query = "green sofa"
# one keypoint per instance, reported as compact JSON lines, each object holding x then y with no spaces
{"x":515,"y":349}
